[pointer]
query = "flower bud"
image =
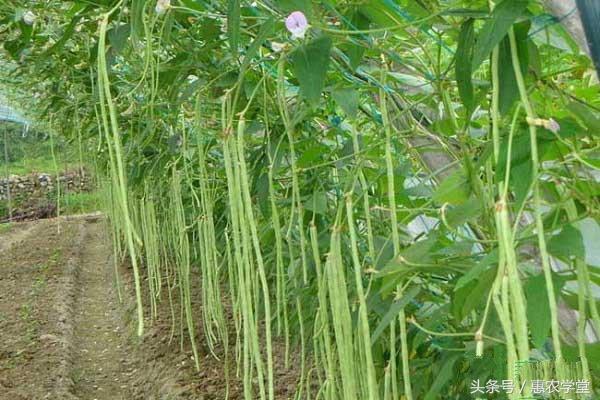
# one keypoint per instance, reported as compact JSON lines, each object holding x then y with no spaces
{"x":29,"y":18}
{"x":162,"y":6}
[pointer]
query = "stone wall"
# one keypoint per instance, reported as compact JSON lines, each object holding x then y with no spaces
{"x":38,"y":184}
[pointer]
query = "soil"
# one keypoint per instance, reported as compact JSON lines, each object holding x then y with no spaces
{"x":65,"y":335}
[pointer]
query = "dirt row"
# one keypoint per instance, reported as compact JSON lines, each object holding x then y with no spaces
{"x":35,"y":310}
{"x":65,"y":335}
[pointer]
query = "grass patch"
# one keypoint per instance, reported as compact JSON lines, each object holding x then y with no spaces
{"x":80,"y":203}
{"x":40,"y":164}
{"x":5,"y":227}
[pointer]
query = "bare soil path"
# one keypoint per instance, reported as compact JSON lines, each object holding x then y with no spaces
{"x":35,"y":303}
{"x":18,"y":233}
{"x":98,"y":365}
{"x":64,"y":335}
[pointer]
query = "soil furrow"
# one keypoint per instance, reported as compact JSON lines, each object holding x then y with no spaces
{"x":99,"y":370}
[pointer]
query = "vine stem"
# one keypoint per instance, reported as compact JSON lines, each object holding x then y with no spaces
{"x":413,"y":321}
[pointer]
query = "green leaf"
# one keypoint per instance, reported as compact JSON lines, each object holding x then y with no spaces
{"x":263,"y":33}
{"x":393,"y":311}
{"x":472,"y":294}
{"x":420,"y":254}
{"x":454,"y":190}
{"x":567,"y":243}
{"x":347,"y":98}
{"x":117,"y":37}
{"x":521,"y":179}
{"x":381,"y":13}
{"x":317,"y":203}
{"x":476,"y":271}
{"x":194,"y":5}
{"x":354,"y":49}
{"x":461,"y":214}
{"x":494,"y":30}
{"x":592,"y":351}
{"x":535,"y":62}
{"x":137,"y":18}
{"x":538,"y":310}
{"x":295,"y":5}
{"x":310,"y":63}
{"x":443,"y":375}
{"x":509,"y":90}
{"x":466,"y":12}
{"x":16,"y":46}
{"x":312,"y":154}
{"x":589,"y":118}
{"x":261,"y":190}
{"x":13,"y":47}
{"x":233,"y":25}
{"x":464,"y":54}
{"x":384,"y":251}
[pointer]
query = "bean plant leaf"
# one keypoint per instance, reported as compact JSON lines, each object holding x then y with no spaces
{"x":464,"y":54}
{"x":592,"y":351}
{"x":380,"y":13}
{"x":445,"y":373}
{"x":567,"y":243}
{"x":193,"y":4}
{"x":14,"y":47}
{"x":263,"y":33}
{"x":586,"y":116}
{"x":466,"y":12}
{"x":137,"y":18}
{"x":347,"y":98}
{"x":355,"y":51}
{"x":233,"y":25}
{"x":538,"y":310}
{"x":310,"y":63}
{"x":315,"y":152}
{"x":69,"y":30}
{"x":463,"y":213}
{"x":454,"y":190}
{"x":393,"y":312}
{"x":472,"y":294}
{"x":317,"y":203}
{"x":477,"y":270}
{"x":117,"y":37}
{"x":296,"y":5}
{"x":503,"y":17}
{"x":521,"y":179}
{"x":509,"y":91}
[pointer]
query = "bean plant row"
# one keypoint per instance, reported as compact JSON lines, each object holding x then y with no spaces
{"x":393,"y":199}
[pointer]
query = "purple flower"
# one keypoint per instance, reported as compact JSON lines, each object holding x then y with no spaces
{"x":552,"y":126}
{"x":297,"y":24}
